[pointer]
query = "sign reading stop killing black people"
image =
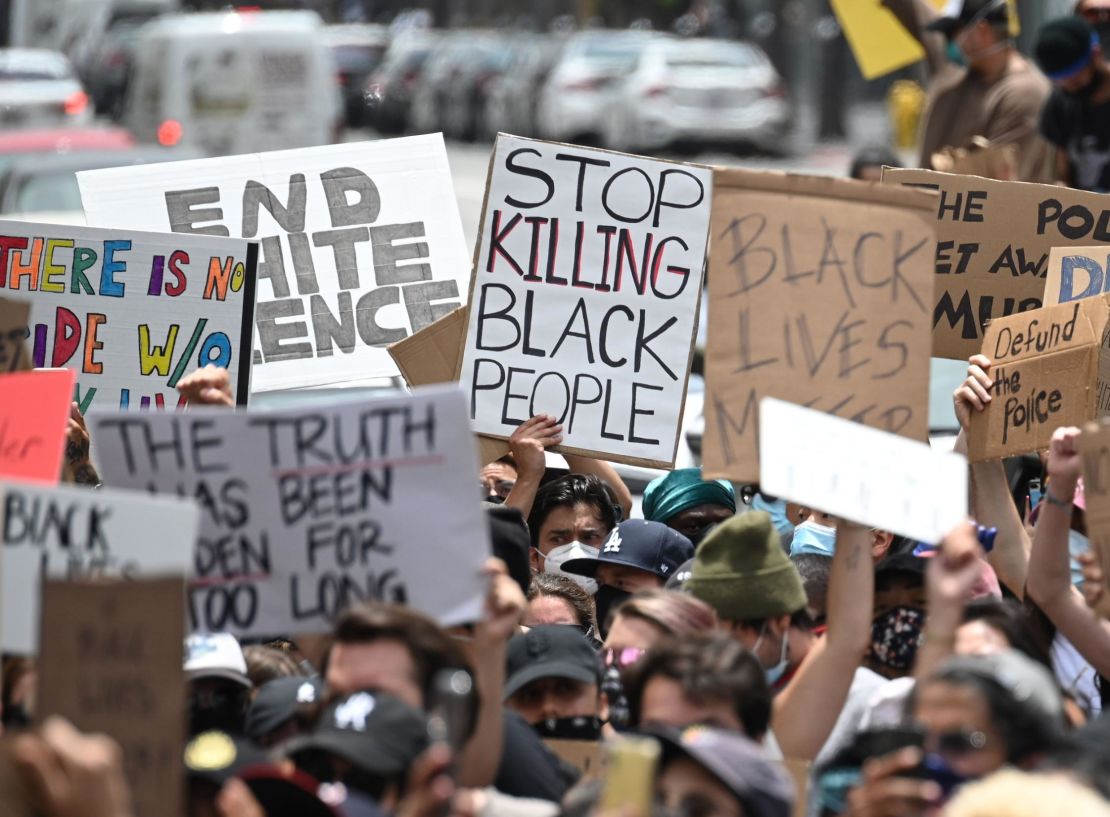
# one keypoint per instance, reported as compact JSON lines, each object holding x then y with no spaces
{"x":361,"y":245}
{"x":587,"y":279}
{"x":306,"y":512}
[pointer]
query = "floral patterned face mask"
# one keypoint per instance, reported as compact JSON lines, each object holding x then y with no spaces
{"x":896,"y":635}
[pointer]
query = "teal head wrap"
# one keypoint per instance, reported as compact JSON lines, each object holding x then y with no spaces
{"x":684,"y":488}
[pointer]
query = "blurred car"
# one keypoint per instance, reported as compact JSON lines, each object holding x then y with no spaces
{"x":14,"y":144}
{"x":44,"y":187}
{"x":468,"y":87}
{"x":698,"y":91}
{"x":109,"y":69}
{"x":513,"y":97}
{"x":358,"y":50}
{"x":453,"y":55}
{"x":389,"y":90}
{"x":39,"y":87}
{"x":578,"y":90}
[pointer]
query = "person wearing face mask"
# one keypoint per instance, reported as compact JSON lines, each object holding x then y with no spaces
{"x":817,"y":536}
{"x":637,"y":555}
{"x":691,"y":505}
{"x":218,"y":690}
{"x":1076,"y":118}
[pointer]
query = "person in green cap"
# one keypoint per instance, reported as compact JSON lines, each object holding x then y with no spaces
{"x":742,"y":572}
{"x":682,"y":500}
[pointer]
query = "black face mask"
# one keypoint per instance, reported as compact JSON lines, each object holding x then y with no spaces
{"x":695,"y":539}
{"x":613,"y":687}
{"x":1085,"y":93}
{"x":607,"y":599}
{"x":576,"y":728}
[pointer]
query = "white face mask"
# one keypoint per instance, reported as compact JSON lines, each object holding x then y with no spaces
{"x":553,"y":563}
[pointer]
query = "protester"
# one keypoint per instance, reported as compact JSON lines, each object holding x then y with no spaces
{"x":218,"y":687}
{"x":282,"y":708}
{"x":691,"y":505}
{"x":814,"y":570}
{"x":570,"y":518}
{"x":266,"y":663}
{"x":650,"y":615}
{"x":554,"y":599}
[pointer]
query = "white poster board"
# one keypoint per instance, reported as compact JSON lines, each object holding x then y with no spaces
{"x":871,"y":477}
{"x":585,"y":297}
{"x":305,"y":512}
{"x":132,"y":312}
{"x":70,"y":532}
{"x":361,"y":244}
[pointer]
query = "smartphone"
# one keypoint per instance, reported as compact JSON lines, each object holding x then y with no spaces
{"x":451,"y":708}
{"x":1035,"y":493}
{"x":630,"y":777}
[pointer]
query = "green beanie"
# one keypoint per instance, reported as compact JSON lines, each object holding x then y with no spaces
{"x":742,"y":572}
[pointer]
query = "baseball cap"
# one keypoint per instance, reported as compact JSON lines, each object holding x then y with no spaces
{"x":738,"y":762}
{"x":550,"y":651}
{"x":649,"y":546}
{"x":378,"y":734}
{"x":678,"y":580}
{"x":277,"y":701}
{"x":1024,"y":680}
{"x":1064,"y":46}
{"x":215,"y":655}
{"x":959,"y":14}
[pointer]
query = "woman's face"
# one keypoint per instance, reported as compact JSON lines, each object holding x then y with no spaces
{"x":632,"y":632}
{"x":957,"y":724}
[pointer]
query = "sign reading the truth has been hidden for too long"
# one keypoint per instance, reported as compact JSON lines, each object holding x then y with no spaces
{"x":130,"y":312}
{"x":362,"y":245}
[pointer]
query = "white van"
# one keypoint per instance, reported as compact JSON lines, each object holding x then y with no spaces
{"x":235,"y":82}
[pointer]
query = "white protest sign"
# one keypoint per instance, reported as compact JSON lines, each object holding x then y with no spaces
{"x":70,"y":533}
{"x":868,"y":476}
{"x":362,"y":244}
{"x":305,"y":512}
{"x":585,"y":297}
{"x":132,"y":312}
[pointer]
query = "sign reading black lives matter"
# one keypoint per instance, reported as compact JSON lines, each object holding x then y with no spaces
{"x":361,"y":245}
{"x":585,"y":296}
{"x":306,"y":512}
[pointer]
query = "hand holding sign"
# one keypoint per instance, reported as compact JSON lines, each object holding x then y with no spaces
{"x":974,"y":394}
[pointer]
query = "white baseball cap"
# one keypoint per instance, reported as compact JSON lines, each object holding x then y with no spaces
{"x":215,"y":655}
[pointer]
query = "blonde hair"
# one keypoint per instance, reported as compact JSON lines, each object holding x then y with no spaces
{"x":1012,"y":793}
{"x":677,"y":614}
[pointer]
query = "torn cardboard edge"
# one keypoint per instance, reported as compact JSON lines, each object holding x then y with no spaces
{"x":860,"y":192}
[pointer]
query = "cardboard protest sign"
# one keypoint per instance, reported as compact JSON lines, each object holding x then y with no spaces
{"x":14,"y":322}
{"x":305,"y":512}
{"x":132,"y":313}
{"x":1051,"y":368}
{"x":819,"y":293}
{"x":1077,"y":272}
{"x":362,"y":244}
{"x":68,"y":532}
{"x":112,"y":665}
{"x":587,"y":280}
{"x":34,"y":409}
{"x":880,"y":479}
{"x":1094,"y":446}
{"x":432,"y":356}
{"x":993,"y":241}
{"x":880,"y":43}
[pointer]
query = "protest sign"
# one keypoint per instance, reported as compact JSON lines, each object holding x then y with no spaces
{"x":362,"y":244}
{"x":1051,"y":368}
{"x":585,"y":295}
{"x":880,"y":479}
{"x":993,"y":241}
{"x":69,"y":532}
{"x":14,"y":322}
{"x":305,"y":512}
{"x":132,"y":313}
{"x":34,"y":409}
{"x":112,"y":665}
{"x":1094,"y":447}
{"x":879,"y":42}
{"x":1076,"y":272}
{"x":432,"y":356}
{"x":819,"y":294}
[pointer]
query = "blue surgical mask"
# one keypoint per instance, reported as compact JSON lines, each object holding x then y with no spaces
{"x":955,"y":54}
{"x":809,"y":537}
{"x":777,"y":510}
{"x":1077,"y":544}
{"x":778,"y":670}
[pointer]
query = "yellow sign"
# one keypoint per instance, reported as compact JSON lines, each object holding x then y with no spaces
{"x":879,"y":42}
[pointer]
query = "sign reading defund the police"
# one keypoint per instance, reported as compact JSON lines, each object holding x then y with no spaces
{"x":361,"y":245}
{"x":585,"y":295}
{"x":306,"y":512}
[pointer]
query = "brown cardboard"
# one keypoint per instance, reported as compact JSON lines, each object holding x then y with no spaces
{"x":1045,"y":367}
{"x":1094,"y":446}
{"x":1075,"y":273}
{"x":110,"y":662}
{"x":993,"y":242}
{"x":980,"y":158}
{"x":432,"y":355}
{"x":856,"y":350}
{"x":585,"y":755}
{"x":15,"y":354}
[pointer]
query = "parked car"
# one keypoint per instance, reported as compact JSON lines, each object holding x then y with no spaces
{"x":698,"y":91}
{"x":469,"y":85}
{"x":109,"y":69}
{"x":579,"y":88}
{"x":451,"y":56}
{"x":390,"y":89}
{"x":358,"y":50}
{"x":39,"y":87}
{"x":14,"y":144}
{"x":513,"y":97}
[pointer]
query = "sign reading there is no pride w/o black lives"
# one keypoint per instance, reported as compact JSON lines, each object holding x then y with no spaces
{"x":305,"y":512}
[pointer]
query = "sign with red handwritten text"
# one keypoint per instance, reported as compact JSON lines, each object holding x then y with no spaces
{"x":131,"y":312}
{"x":33,"y":411}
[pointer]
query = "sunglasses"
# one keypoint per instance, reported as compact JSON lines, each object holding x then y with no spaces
{"x":957,"y":742}
{"x":623,"y":658}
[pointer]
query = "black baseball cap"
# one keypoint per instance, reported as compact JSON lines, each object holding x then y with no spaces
{"x":1064,"y":47}
{"x":377,"y":734}
{"x":649,"y":546}
{"x":550,"y":651}
{"x":277,"y":701}
{"x":971,"y":11}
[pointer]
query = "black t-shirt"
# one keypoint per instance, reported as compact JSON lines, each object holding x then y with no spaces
{"x":1083,"y":130}
{"x":528,"y":768}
